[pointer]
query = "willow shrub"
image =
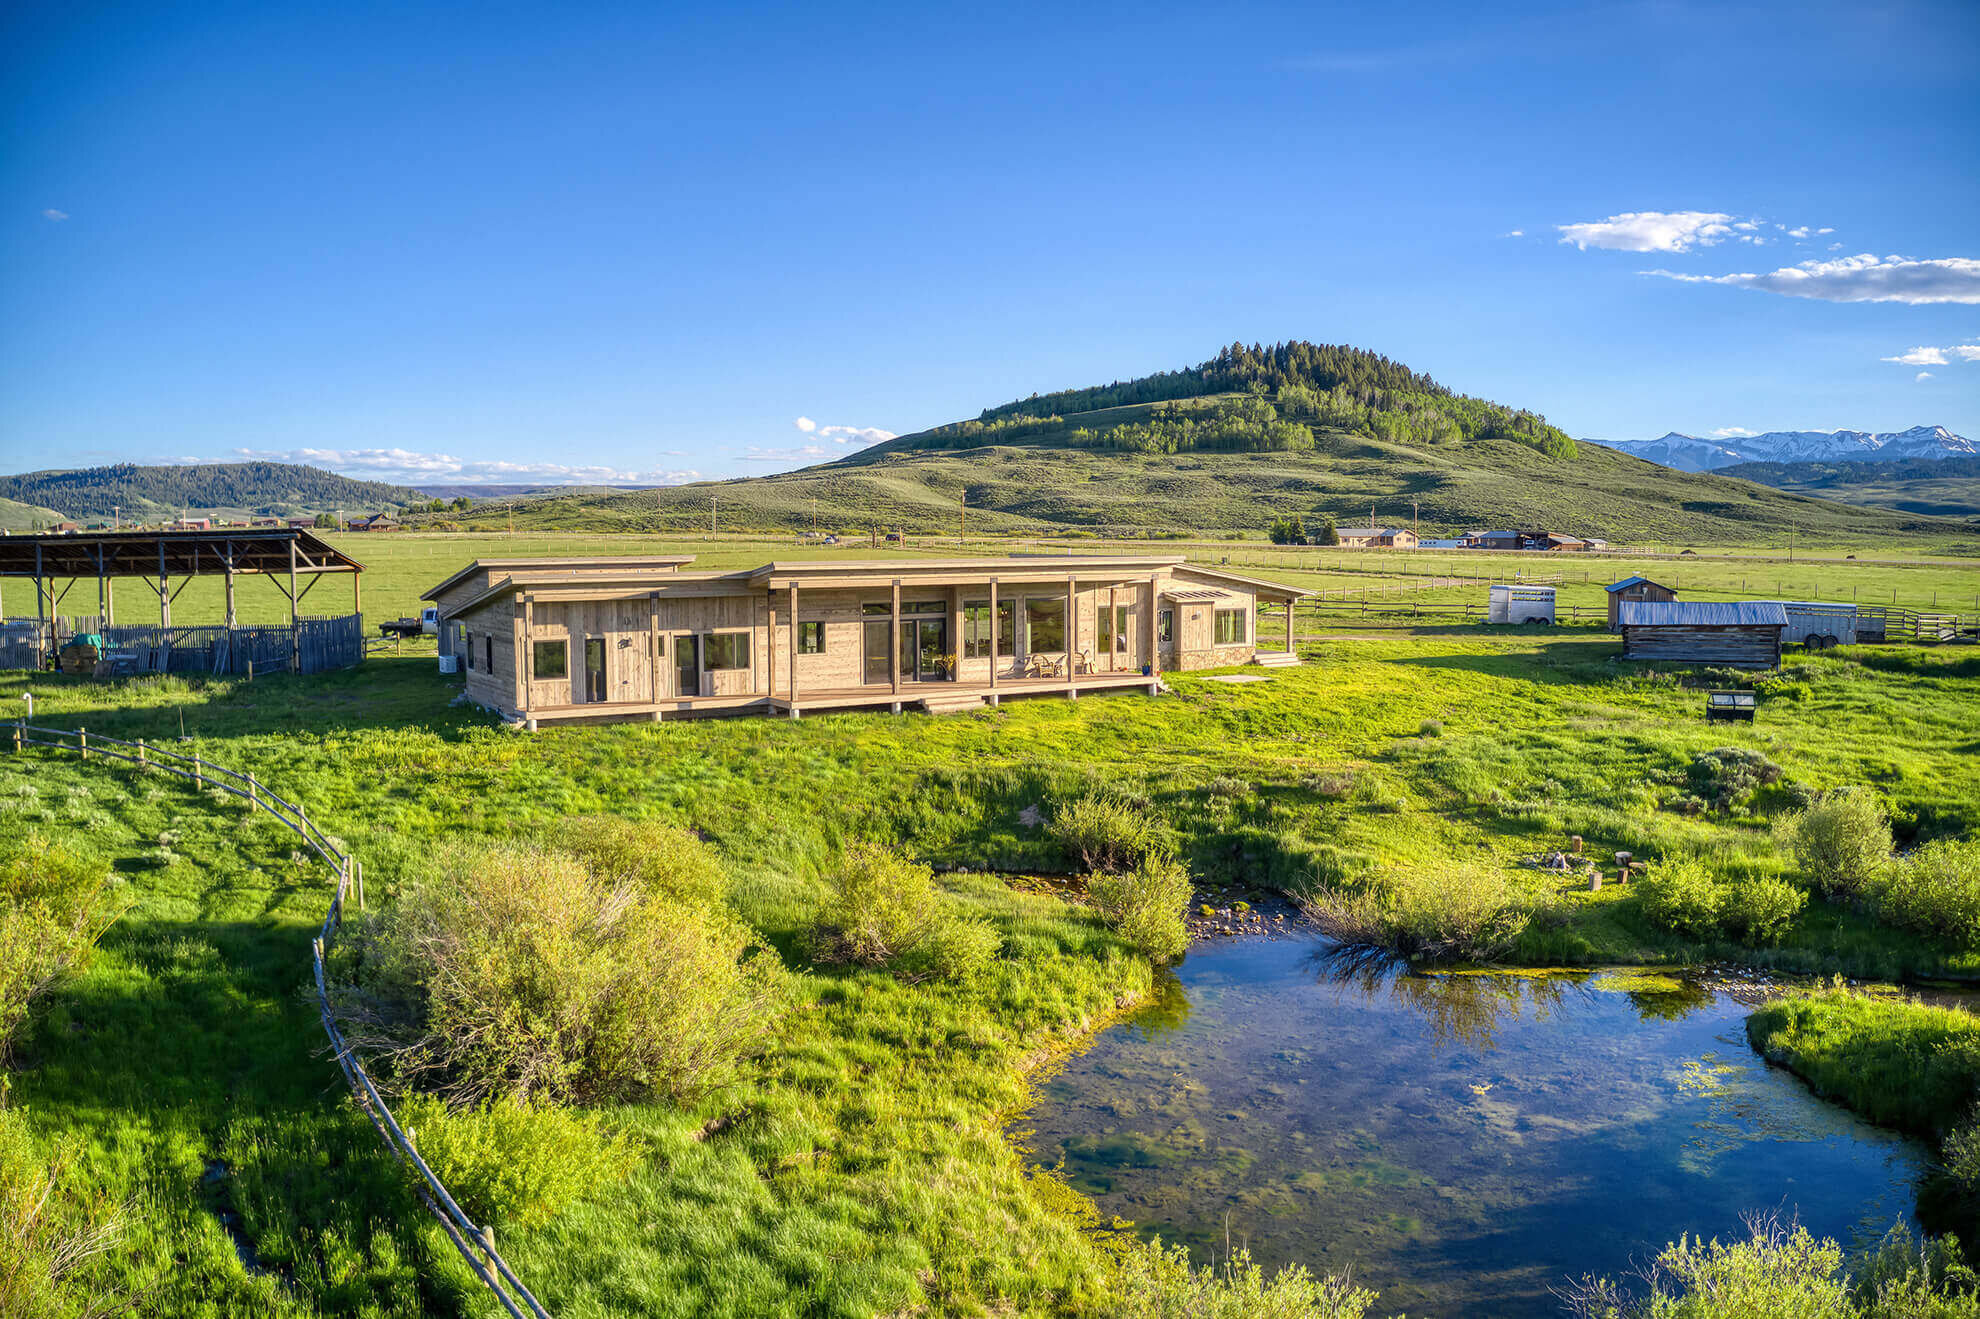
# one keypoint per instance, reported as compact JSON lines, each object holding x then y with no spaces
{"x":54,"y":905}
{"x":1842,"y":843}
{"x":658,"y":859}
{"x":882,"y":909}
{"x":517,"y":970}
{"x":510,"y":1162}
{"x":1934,"y":890}
{"x":1687,"y":898}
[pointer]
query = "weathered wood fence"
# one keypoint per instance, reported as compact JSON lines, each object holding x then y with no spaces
{"x":321,"y":644}
{"x":475,"y":1243}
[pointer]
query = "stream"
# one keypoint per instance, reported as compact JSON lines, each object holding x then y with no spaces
{"x":1463,"y":1143}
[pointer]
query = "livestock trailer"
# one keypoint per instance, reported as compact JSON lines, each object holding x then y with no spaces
{"x":1818,"y":624}
{"x":1521,"y":604}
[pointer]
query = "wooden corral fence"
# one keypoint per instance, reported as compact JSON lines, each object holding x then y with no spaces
{"x":475,"y":1243}
{"x":319,"y":645}
{"x":1897,"y":624}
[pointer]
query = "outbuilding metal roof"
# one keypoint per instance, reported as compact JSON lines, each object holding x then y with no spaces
{"x":1628,"y":582}
{"x":1738,"y":613}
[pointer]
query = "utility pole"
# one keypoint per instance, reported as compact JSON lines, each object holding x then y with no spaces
{"x":1415,"y":520}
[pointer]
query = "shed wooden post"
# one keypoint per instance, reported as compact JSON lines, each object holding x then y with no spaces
{"x":653,"y":648}
{"x":794,"y":649}
{"x":295,"y":632}
{"x":233,"y":617}
{"x":523,"y":634}
{"x":1290,"y":647}
{"x":894,"y":645}
{"x":993,"y":641}
{"x":42,"y":641}
{"x":164,"y":589}
{"x":102,"y":590}
{"x":1151,"y":629}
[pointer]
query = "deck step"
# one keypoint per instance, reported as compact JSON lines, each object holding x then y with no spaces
{"x":952,"y":704}
{"x":1277,"y":659}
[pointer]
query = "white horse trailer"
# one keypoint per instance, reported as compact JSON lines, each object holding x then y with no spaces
{"x":1521,"y":604}
{"x":1819,"y":624}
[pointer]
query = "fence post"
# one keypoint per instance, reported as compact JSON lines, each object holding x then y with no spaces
{"x":20,"y":732}
{"x":142,"y":763}
{"x":82,"y":741}
{"x":253,"y":800}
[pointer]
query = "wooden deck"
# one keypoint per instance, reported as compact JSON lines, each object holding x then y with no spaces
{"x":933,"y":696}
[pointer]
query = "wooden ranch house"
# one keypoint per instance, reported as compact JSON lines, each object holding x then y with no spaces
{"x":1635,"y":588}
{"x":645,"y":637}
{"x":1741,"y":635}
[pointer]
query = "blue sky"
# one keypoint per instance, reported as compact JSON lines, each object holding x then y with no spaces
{"x":495,"y":242}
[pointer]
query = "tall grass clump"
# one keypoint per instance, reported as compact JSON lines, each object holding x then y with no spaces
{"x":1145,"y":905}
{"x":1103,"y":832}
{"x":1934,"y":890}
{"x":54,"y":906}
{"x":512,"y":1162}
{"x":1780,"y":1269}
{"x":516,"y":970}
{"x":48,"y":1235}
{"x":658,"y":859}
{"x":1841,"y":843}
{"x":882,"y":909}
{"x":1158,"y":1283}
{"x":1454,"y":914}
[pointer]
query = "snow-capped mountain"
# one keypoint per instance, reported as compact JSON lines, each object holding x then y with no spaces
{"x":1699,"y":453}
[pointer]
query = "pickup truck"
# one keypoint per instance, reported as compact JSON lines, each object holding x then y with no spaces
{"x":428,"y":623}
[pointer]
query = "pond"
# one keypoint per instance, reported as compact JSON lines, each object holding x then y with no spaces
{"x":1462,"y":1143}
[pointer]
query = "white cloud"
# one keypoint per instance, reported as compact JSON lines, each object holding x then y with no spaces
{"x":1650,"y":231}
{"x":1513,"y":233}
{"x":1921,"y":377}
{"x":411,"y":467}
{"x":1864,"y":278}
{"x":848,"y":437}
{"x":1925,"y":355}
{"x":52,"y":214}
{"x":1799,"y":231}
{"x":1732,"y":432}
{"x":1825,"y":230}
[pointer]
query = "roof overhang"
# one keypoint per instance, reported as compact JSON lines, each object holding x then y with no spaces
{"x":497,"y":567}
{"x":175,"y":553}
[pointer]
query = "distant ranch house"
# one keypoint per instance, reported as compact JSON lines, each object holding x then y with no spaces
{"x":1377,"y":538}
{"x":1491,"y":540}
{"x":376,"y":522}
{"x":1742,"y":635}
{"x":645,"y":637}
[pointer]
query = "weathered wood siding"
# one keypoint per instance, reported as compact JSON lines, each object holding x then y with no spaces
{"x":1641,"y":591}
{"x":489,"y":635}
{"x":1751,"y":647}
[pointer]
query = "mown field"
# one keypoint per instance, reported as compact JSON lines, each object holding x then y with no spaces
{"x":862,"y":1167}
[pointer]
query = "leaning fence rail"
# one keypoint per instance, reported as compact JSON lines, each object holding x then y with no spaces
{"x":476,"y":1243}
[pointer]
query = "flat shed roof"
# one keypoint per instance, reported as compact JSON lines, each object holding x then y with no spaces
{"x":1738,"y":613}
{"x":179,"y":553}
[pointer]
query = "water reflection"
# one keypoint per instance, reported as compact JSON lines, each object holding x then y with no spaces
{"x":1461,"y":1141}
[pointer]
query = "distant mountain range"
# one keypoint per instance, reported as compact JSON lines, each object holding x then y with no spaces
{"x":1699,"y":453}
{"x":151,"y":493}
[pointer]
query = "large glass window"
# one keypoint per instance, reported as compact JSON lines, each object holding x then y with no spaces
{"x":1007,"y":627}
{"x":877,"y":611}
{"x":551,"y":659}
{"x":976,"y":629}
{"x":1165,"y":628}
{"x":924,"y":607}
{"x":727,"y":650}
{"x":1044,"y":625}
{"x":1113,"y":639}
{"x":1230,"y":627}
{"x":811,"y":638}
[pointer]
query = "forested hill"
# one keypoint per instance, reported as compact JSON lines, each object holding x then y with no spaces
{"x":152,"y":492}
{"x":1277,"y":398}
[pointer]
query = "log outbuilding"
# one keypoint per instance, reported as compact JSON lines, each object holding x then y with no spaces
{"x":1741,"y":635}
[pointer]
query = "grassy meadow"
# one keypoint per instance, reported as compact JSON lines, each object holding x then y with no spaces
{"x":864,"y":1165}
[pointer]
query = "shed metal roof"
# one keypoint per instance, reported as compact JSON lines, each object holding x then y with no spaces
{"x":1738,"y":613}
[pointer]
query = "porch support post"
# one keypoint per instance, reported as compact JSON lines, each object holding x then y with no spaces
{"x":993,"y":641}
{"x":43,"y":642}
{"x":1150,"y":628}
{"x":524,"y":629}
{"x":653,"y":657}
{"x":164,"y":597}
{"x":233,"y":619}
{"x":1291,"y":649}
{"x":1072,"y":637}
{"x":102,"y":590}
{"x":357,"y":596}
{"x":794,"y":649}
{"x":894,"y":645}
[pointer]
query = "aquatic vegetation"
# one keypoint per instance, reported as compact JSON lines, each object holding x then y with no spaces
{"x":1445,"y":914}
